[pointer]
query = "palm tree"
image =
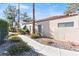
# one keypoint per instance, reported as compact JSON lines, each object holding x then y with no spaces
{"x":33,"y":19}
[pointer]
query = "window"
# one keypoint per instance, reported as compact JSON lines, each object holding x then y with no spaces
{"x":66,"y":24}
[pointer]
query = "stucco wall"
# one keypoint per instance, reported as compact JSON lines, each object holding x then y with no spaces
{"x":45,"y":28}
{"x":65,"y":33}
{"x":51,"y":29}
{"x":22,"y":24}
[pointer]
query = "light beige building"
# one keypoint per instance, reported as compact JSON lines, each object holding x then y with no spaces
{"x":61,"y":27}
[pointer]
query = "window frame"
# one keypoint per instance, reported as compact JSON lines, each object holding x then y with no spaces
{"x":66,"y":24}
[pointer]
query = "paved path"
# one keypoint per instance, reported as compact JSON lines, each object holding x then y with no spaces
{"x":48,"y":50}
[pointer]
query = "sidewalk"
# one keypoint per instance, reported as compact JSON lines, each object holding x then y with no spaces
{"x":48,"y":50}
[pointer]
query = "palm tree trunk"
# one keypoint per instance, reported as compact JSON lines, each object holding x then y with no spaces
{"x":33,"y":18}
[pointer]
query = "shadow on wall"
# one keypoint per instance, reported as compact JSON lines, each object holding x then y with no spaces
{"x":46,"y":32}
{"x":50,"y":31}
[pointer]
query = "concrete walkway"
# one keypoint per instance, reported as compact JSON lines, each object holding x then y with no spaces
{"x":47,"y":50}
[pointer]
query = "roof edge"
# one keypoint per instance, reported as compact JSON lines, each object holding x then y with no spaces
{"x":54,"y":18}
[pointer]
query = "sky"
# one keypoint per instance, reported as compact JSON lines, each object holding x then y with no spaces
{"x":42,"y":10}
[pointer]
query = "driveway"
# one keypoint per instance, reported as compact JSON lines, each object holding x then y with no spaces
{"x":47,"y":50}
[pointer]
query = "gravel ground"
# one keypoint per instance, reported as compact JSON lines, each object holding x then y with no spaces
{"x":59,"y":44}
{"x":4,"y":46}
{"x":30,"y":53}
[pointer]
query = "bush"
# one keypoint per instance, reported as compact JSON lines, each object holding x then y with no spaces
{"x":22,"y":31}
{"x":24,"y":27}
{"x":14,"y":38}
{"x":35,"y":36}
{"x":12,"y":29}
{"x":3,"y":30}
{"x":18,"y":48}
{"x":27,"y":31}
{"x":13,"y":34}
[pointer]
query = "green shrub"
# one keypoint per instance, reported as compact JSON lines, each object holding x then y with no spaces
{"x":18,"y":48}
{"x":14,"y":38}
{"x":35,"y":36}
{"x":13,"y":34}
{"x":12,"y":29}
{"x":24,"y":27}
{"x":27,"y":31}
{"x":22,"y":31}
{"x":3,"y":30}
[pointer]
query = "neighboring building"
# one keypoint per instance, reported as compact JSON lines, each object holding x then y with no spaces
{"x":22,"y":23}
{"x":61,"y":27}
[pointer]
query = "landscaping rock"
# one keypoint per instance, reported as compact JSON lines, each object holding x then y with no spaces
{"x":7,"y":44}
